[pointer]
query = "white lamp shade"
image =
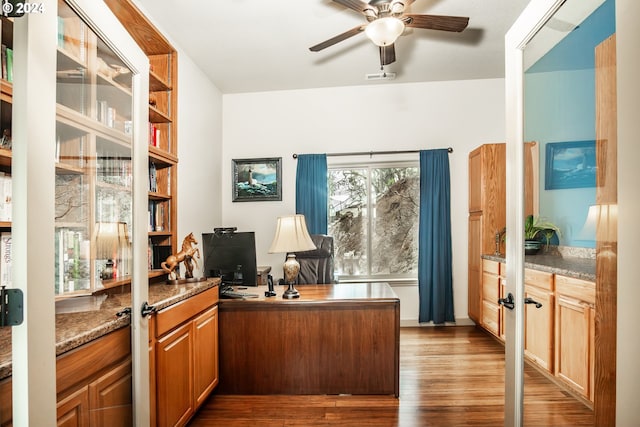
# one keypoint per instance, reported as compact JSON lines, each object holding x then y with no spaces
{"x":384,"y":31}
{"x":601,"y":224}
{"x":291,"y":235}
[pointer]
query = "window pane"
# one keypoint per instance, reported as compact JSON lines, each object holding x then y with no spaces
{"x":395,"y":194}
{"x":374,"y":220}
{"x":348,"y":219}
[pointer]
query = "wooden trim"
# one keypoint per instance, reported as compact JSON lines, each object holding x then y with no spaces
{"x":606,"y":250}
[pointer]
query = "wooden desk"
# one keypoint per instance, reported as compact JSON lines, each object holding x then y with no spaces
{"x":334,"y":339}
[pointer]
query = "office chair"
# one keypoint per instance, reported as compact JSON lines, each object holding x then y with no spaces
{"x":316,"y":266}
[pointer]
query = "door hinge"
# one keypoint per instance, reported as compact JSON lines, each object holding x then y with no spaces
{"x":11,"y":307}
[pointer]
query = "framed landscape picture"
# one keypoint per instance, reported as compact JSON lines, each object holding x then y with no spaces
{"x":570,"y":165}
{"x":256,"y":180}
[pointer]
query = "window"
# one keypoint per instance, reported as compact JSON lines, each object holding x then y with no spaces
{"x":373,"y":218}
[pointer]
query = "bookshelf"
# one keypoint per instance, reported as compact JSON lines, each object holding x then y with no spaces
{"x":163,"y":149}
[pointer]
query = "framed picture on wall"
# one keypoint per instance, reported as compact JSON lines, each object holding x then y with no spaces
{"x":256,"y":180}
{"x":570,"y":165}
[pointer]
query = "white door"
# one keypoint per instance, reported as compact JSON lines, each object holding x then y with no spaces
{"x":540,"y":29}
{"x":79,"y":105}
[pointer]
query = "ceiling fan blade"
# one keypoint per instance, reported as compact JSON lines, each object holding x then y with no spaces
{"x":340,"y":37}
{"x":387,"y":55}
{"x":436,"y":22}
{"x":357,"y":5}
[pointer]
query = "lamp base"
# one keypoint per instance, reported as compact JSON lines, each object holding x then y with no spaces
{"x":291,"y":292}
{"x":291,"y":269}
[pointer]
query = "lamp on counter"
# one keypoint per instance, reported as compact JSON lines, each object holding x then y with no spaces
{"x":107,"y":247}
{"x":291,"y":236}
{"x":601,"y":224}
{"x":112,"y":244}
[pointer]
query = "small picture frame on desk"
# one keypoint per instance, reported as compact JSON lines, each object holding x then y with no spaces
{"x":256,"y":180}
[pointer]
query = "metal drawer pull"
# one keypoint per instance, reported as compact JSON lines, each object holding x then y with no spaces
{"x":531,"y":301}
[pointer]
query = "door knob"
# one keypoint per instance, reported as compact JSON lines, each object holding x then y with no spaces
{"x":508,"y":301}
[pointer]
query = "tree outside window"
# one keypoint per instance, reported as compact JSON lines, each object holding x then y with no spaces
{"x":373,"y":217}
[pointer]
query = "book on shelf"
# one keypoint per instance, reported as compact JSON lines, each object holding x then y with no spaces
{"x":5,"y":197}
{"x":3,"y":56}
{"x":7,"y":63}
{"x":154,"y":135}
{"x":5,"y":259}
{"x":9,"y":76}
{"x":153,"y":178}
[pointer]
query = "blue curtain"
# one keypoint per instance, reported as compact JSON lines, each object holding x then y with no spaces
{"x":435,"y":274}
{"x":312,"y":191}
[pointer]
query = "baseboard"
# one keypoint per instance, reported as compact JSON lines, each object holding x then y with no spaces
{"x":412,"y":323}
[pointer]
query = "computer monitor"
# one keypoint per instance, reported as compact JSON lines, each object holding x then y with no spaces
{"x":230,"y":255}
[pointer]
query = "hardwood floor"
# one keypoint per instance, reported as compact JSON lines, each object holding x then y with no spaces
{"x":449,"y":376}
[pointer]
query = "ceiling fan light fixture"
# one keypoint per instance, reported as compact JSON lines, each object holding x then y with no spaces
{"x":384,"y":31}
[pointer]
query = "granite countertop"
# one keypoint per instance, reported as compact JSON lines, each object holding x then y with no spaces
{"x":83,"y":319}
{"x":580,"y":268}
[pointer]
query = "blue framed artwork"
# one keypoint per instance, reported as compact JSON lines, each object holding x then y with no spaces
{"x":570,"y":165}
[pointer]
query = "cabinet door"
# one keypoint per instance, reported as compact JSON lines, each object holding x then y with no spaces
{"x":110,"y":398}
{"x":205,"y":340}
{"x":574,"y":336}
{"x":174,"y":382}
{"x":475,"y":268}
{"x":73,"y":410}
{"x":490,"y":295}
{"x":152,"y":371}
{"x":538,"y":334}
{"x":5,"y":403}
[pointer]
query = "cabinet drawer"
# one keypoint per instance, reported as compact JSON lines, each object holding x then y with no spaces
{"x":490,"y":287}
{"x":538,"y":278}
{"x":490,"y":316}
{"x":582,"y":290}
{"x":491,"y":266}
{"x":178,"y":313}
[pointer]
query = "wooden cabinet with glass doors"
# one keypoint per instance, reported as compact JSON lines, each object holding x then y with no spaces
{"x":93,"y":146}
{"x":93,"y":161}
{"x":93,"y":152}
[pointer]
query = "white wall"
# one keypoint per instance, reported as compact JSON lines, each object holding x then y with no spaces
{"x":199,"y":153}
{"x":458,"y":114}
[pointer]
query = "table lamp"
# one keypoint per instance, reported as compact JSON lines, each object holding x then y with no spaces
{"x":107,"y":247}
{"x":291,"y":236}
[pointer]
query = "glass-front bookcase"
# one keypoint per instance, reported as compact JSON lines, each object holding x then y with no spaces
{"x":93,"y":155}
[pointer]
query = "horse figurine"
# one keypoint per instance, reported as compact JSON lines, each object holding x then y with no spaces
{"x":186,"y":254}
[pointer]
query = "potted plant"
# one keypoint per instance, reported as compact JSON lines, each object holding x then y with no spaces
{"x":536,"y":229}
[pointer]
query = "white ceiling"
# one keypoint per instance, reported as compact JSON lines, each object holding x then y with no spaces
{"x":263,"y":45}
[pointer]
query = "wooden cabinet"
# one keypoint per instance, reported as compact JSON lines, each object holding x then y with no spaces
{"x":539,"y":332}
{"x":163,"y":143}
{"x":487,"y":180}
{"x":94,"y":385}
{"x":205,"y":345}
{"x":73,"y":410}
{"x":186,"y":357}
{"x":574,"y":333}
{"x":490,"y":294}
{"x":174,"y":381}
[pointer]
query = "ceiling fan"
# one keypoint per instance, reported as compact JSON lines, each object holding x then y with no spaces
{"x":386,"y":22}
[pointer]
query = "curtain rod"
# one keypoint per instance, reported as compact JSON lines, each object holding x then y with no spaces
{"x":371,"y":153}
